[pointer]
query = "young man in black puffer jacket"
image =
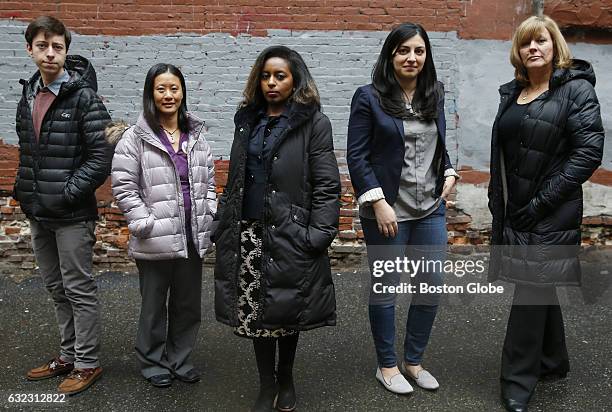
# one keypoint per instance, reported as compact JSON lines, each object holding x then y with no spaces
{"x":63,"y":158}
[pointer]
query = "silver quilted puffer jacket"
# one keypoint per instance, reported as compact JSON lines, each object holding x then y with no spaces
{"x":147,"y":189}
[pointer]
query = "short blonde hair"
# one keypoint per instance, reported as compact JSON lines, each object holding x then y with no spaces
{"x":531,"y":29}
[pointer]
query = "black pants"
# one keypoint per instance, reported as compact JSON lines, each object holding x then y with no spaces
{"x":535,"y":342}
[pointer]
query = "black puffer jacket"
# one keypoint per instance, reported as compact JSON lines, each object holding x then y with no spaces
{"x":562,"y":140}
{"x":58,"y":175}
{"x":301,"y":210}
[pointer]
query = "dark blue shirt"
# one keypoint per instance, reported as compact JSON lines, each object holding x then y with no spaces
{"x":261,"y":141}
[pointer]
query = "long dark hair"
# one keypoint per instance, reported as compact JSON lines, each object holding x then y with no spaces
{"x":305,"y":90}
{"x":148,"y":101}
{"x":389,"y":90}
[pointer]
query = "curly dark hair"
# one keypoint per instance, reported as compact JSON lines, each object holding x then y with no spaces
{"x":305,"y":88}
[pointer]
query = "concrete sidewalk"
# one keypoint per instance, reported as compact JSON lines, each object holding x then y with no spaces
{"x":334,"y":368}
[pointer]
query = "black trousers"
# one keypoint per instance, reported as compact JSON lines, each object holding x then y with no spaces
{"x":535,"y":342}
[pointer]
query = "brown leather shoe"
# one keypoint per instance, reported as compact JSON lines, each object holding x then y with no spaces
{"x":54,"y":367}
{"x":79,"y":380}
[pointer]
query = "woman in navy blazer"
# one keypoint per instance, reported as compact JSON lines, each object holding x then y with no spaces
{"x":402,"y":174}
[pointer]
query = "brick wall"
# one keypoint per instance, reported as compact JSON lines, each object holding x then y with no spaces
{"x":110,"y":251}
{"x":137,"y":17}
{"x":472,"y":19}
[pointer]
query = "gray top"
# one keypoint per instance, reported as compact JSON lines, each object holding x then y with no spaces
{"x":415,"y":198}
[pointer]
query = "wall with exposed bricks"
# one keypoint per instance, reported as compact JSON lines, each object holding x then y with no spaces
{"x":471,"y":19}
{"x":143,"y":17}
{"x":17,"y":259}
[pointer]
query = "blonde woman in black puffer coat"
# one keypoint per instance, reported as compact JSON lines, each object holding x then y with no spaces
{"x":547,"y":141}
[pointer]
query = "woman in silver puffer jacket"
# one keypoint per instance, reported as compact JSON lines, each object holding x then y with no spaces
{"x":163,"y":181}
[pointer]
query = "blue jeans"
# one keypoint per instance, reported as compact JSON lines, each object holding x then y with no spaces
{"x":423,"y":239}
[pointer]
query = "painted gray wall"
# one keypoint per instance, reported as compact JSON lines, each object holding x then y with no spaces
{"x":216,"y":67}
{"x":483,"y":65}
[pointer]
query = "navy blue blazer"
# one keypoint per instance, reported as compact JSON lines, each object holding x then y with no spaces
{"x":375,"y":146}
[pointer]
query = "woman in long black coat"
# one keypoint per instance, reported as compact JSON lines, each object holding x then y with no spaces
{"x":277,"y":217}
{"x":547,"y":140}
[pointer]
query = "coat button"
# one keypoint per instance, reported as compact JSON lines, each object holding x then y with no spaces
{"x":275,"y":157}
{"x":274,"y":192}
{"x":273,"y":227}
{"x":241,"y":129}
{"x":271,"y":260}
{"x":526,"y":116}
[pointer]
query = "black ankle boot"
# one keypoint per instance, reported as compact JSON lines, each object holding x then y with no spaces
{"x":286,"y":392}
{"x":265,"y":353}
{"x":266,"y":397}
{"x":287,"y":346}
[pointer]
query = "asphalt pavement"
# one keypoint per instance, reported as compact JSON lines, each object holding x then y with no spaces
{"x":335,"y":366}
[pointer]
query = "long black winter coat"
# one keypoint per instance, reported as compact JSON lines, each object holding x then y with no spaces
{"x":58,"y":175}
{"x":300,"y":220}
{"x":562,"y":139}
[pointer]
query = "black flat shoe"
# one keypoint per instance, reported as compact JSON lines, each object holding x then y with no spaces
{"x":161,"y":381}
{"x":192,"y":376}
{"x":512,"y":405}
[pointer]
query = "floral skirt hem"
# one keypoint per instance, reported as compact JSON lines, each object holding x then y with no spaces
{"x":249,"y":285}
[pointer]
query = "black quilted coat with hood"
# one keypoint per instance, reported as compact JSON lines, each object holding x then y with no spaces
{"x":300,"y":220}
{"x":561,"y":145}
{"x":59,"y":174}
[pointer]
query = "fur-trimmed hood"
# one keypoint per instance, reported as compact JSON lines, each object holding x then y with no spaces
{"x":114,"y":131}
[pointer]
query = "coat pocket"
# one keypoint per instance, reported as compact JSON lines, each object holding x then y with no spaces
{"x":300,"y":215}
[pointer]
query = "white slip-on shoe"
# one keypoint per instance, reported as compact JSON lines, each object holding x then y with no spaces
{"x":397,"y":384}
{"x":424,"y":379}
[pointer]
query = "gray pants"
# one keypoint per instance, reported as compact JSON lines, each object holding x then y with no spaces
{"x":64,"y":254}
{"x":170,"y":315}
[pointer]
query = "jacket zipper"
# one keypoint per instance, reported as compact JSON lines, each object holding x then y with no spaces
{"x":196,"y":239}
{"x":178,"y":188}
